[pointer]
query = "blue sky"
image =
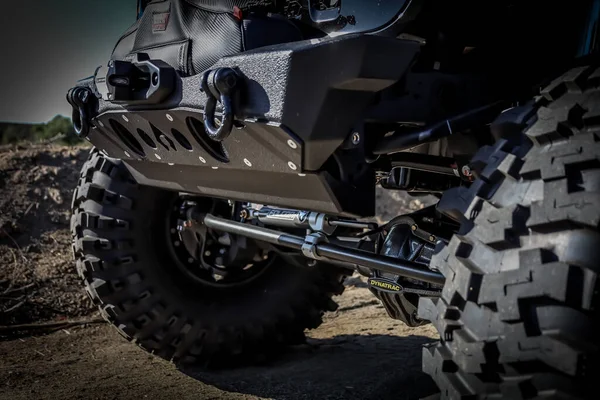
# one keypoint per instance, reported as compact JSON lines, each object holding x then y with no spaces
{"x":47,"y":45}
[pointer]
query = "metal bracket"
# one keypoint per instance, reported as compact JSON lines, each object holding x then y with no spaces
{"x":309,"y":248}
{"x":142,"y":81}
{"x":330,"y":13}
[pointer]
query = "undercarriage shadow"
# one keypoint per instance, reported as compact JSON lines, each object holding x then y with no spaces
{"x":343,"y":367}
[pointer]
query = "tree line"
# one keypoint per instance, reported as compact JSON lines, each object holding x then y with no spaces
{"x":59,"y":127}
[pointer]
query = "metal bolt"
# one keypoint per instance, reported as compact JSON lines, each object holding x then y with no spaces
{"x":355,"y":138}
{"x":247,"y":162}
{"x":101,"y":123}
{"x":431,"y":238}
{"x":292,"y":144}
{"x":157,"y":156}
{"x":292,"y":165}
{"x":127,"y":154}
{"x":169,"y":117}
{"x":202,"y":160}
{"x":414,"y":227}
{"x":207,"y":253}
{"x":215,"y":167}
{"x":125,"y":118}
{"x":171,"y":163}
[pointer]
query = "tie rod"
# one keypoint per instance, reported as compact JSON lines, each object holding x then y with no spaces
{"x":315,"y":246}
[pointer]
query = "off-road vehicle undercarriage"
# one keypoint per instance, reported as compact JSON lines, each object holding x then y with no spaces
{"x":238,"y":146}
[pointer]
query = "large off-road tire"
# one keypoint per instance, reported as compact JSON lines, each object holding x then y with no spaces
{"x":518,"y":317}
{"x":120,"y":241}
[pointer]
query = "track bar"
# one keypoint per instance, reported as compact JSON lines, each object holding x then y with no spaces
{"x":404,"y":268}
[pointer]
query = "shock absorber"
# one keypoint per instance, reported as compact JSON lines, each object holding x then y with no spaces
{"x":315,"y":221}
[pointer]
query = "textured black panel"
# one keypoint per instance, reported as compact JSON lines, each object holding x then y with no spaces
{"x":125,"y":45}
{"x":227,"y":5}
{"x":197,"y":33}
{"x":259,"y":31}
{"x":345,"y":73}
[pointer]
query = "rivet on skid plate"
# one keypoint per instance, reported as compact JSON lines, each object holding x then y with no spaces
{"x":292,"y":165}
{"x":125,"y":118}
{"x":169,"y":117}
{"x":292,"y":144}
{"x":127,"y":154}
{"x":247,"y":162}
{"x":157,"y":156}
{"x":215,"y":167}
{"x":202,"y":160}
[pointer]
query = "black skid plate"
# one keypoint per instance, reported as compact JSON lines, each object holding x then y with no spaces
{"x":177,"y":136}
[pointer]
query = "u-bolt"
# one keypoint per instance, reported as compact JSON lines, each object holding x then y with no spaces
{"x":219,"y":85}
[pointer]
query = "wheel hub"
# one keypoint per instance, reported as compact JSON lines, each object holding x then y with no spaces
{"x":210,"y":256}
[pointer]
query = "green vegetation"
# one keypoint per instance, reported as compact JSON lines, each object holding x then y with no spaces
{"x":59,"y":128}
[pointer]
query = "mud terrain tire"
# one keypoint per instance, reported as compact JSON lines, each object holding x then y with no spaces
{"x":518,"y":317}
{"x":119,"y":247}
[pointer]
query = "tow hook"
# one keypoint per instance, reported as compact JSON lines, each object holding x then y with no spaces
{"x":222,"y":85}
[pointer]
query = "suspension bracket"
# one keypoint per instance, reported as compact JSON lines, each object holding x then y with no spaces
{"x":309,"y":248}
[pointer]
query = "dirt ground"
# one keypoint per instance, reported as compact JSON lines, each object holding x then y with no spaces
{"x":358,"y":353}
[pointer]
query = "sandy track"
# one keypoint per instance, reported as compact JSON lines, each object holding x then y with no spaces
{"x":358,"y":353}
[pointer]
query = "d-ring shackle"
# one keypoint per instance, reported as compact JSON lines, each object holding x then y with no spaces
{"x":219,"y":85}
{"x":80,"y":98}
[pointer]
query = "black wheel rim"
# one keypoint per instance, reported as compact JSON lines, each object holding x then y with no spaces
{"x":205,"y":271}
